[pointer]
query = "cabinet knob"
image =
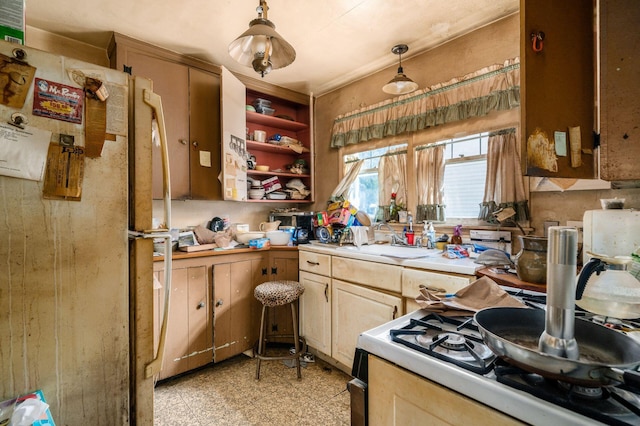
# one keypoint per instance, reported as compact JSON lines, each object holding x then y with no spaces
{"x":182,"y":141}
{"x":200,"y":305}
{"x":195,"y":144}
{"x":264,"y":271}
{"x":219,"y":302}
{"x":274,"y":271}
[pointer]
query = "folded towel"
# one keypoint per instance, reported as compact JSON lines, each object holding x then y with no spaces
{"x":480,"y":294}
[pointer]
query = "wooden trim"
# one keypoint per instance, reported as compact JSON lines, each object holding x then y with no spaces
{"x":159,"y":52}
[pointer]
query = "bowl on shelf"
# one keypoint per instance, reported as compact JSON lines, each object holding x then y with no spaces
{"x":279,"y":238}
{"x":256,"y":193}
{"x":262,"y":168}
{"x":245,"y":237}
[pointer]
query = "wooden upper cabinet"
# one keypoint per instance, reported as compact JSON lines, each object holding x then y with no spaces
{"x":619,"y":89}
{"x":190,"y":92}
{"x":557,"y":88}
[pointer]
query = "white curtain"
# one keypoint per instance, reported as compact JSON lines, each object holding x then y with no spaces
{"x":504,"y":186}
{"x":392,"y":175}
{"x":430,"y":183}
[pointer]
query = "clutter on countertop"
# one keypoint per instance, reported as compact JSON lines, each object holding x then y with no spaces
{"x":204,"y":235}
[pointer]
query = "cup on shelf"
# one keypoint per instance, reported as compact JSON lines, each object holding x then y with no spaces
{"x":260,"y":135}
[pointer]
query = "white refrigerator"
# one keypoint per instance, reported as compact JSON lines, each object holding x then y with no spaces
{"x":76,"y":283}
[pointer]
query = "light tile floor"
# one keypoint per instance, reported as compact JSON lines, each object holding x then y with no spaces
{"x":228,"y":394}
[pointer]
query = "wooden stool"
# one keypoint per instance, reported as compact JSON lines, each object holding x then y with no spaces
{"x":278,"y":293}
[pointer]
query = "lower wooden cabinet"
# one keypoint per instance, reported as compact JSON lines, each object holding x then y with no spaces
{"x":236,"y":311}
{"x":213,"y":314}
{"x":399,"y":397}
{"x":189,"y":340}
{"x":356,"y":309}
{"x":315,"y":311}
{"x":283,"y":265}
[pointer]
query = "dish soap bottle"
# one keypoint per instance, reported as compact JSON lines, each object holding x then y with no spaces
{"x":457,"y":235}
{"x":429,"y":235}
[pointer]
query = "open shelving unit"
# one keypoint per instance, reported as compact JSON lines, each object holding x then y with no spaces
{"x":280,"y":158}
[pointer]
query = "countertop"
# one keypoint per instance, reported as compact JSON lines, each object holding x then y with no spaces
{"x":223,"y":252}
{"x":508,"y":279}
{"x":436,"y":262}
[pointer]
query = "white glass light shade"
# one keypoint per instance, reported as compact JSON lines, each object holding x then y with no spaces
{"x":400,"y":84}
{"x":252,"y":43}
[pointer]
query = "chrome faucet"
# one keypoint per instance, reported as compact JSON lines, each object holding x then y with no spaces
{"x":395,"y":238}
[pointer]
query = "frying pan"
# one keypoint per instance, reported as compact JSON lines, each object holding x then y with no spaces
{"x":606,"y":356}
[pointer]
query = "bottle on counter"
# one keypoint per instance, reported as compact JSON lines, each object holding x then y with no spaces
{"x":457,"y":235}
{"x":429,"y":235}
{"x":393,"y":208}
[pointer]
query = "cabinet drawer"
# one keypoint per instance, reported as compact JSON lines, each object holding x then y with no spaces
{"x":378,"y":275}
{"x":315,"y":262}
{"x":413,"y":278}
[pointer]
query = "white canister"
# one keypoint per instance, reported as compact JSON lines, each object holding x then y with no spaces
{"x":260,"y":135}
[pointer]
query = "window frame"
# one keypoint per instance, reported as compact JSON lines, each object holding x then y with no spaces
{"x":494,"y":121}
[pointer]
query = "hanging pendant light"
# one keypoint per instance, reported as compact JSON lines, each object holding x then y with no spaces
{"x":400,"y":84}
{"x":261,"y":47}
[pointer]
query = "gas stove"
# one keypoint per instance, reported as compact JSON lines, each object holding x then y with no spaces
{"x":449,"y":351}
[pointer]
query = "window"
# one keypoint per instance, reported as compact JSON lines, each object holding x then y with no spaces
{"x":364,"y":190}
{"x":464,"y":175}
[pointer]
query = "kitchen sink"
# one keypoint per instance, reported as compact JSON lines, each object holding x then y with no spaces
{"x":393,"y":251}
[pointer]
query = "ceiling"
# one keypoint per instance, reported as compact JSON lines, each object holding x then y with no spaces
{"x":336,"y":41}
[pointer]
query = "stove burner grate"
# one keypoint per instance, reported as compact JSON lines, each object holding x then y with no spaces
{"x":428,"y":335}
{"x":610,"y":405}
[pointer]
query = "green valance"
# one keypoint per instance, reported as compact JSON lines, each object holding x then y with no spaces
{"x":493,"y":88}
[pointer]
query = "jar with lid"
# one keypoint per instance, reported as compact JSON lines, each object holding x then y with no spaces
{"x":531,"y":261}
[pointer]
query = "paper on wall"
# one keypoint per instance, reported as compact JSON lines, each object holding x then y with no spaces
{"x":23,"y":152}
{"x":575,"y":142}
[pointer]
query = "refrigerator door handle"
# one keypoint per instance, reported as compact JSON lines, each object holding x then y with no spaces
{"x":154,"y":101}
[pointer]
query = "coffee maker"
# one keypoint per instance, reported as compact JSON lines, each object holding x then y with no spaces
{"x":303,"y":221}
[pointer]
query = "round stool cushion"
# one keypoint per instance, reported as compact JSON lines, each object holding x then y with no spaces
{"x":276,"y":293}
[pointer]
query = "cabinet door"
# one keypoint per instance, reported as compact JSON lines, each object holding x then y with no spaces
{"x":189,"y":338}
{"x":398,"y":397}
{"x":204,"y":131}
{"x":260,"y":269}
{"x":171,"y":82}
{"x":200,"y":318}
{"x":283,"y":265}
{"x":557,"y":88}
{"x":235,"y":327}
{"x":619,"y":90}
{"x":234,"y":129}
{"x":357,"y":309}
{"x":315,"y":311}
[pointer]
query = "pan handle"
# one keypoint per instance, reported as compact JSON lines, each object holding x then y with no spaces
{"x":628,"y":377}
{"x":632,"y":378}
